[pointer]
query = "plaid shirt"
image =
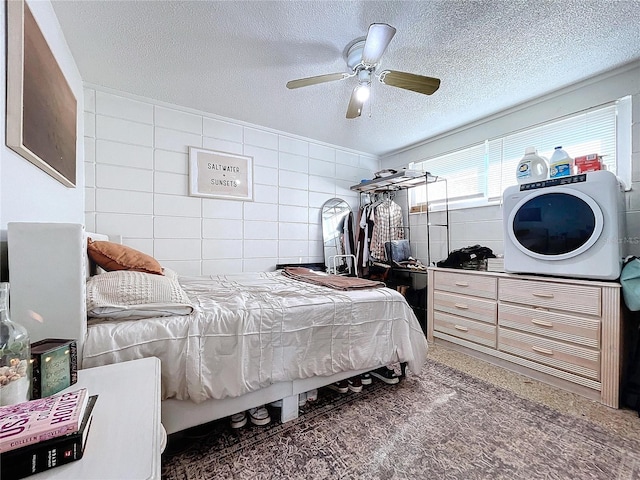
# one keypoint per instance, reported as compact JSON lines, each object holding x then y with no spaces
{"x":387,"y":226}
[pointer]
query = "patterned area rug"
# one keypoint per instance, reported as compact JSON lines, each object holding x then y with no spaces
{"x":440,"y":424}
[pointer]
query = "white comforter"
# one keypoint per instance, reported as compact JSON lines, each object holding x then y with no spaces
{"x":249,"y":331}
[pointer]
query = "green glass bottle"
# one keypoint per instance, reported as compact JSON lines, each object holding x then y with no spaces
{"x":15,"y":356}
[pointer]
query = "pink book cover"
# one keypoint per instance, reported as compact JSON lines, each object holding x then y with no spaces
{"x":41,"y":419}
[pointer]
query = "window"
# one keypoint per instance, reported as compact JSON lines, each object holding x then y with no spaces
{"x":478,"y":174}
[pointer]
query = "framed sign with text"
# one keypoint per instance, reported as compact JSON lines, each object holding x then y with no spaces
{"x":220,"y":175}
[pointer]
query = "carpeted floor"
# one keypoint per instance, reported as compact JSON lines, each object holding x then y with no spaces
{"x":445,"y":423}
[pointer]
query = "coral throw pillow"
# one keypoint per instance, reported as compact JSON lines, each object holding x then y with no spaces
{"x":114,"y":256}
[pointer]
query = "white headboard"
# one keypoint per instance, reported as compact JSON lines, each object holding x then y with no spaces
{"x":48,"y":268}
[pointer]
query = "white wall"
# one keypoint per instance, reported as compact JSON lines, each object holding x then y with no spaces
{"x":26,"y":192}
{"x":483,"y":225}
{"x":137,"y":186}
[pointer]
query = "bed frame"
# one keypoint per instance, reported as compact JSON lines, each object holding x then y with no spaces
{"x":48,"y":268}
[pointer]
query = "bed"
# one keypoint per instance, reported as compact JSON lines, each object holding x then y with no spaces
{"x":250,"y":339}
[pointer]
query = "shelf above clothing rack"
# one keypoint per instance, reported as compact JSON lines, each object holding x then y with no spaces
{"x":396,"y":181}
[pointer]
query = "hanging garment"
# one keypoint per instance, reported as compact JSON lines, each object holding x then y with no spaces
{"x":348,"y":235}
{"x":364,"y":236}
{"x":361,"y":255}
{"x":387,"y":226}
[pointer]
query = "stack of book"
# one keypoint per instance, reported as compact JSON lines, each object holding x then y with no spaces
{"x":44,"y":433}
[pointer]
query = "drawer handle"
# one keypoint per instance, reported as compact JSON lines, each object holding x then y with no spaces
{"x":543,"y":295}
{"x":461,"y":328}
{"x":542,"y":323}
{"x":461,"y":306}
{"x":462,"y":284}
{"x":542,"y":350}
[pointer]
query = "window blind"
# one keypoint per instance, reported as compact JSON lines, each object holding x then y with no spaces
{"x":483,"y":171}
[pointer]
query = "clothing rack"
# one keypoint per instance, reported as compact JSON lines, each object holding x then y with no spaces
{"x":390,"y":184}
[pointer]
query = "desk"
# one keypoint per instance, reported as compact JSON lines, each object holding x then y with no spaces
{"x":126,"y":436}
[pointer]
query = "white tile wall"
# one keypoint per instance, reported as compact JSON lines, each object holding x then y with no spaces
{"x":632,"y":238}
{"x":222,"y":229}
{"x":123,"y":108}
{"x":125,"y":131}
{"x":289,"y":213}
{"x":177,"y":205}
{"x":122,"y":201}
{"x":260,"y":138}
{"x":347,"y":158}
{"x":293,"y":145}
{"x":293,"y":231}
{"x":293,"y":162}
{"x":262,"y":157}
{"x":171,"y":162}
{"x":129,"y":226}
{"x":293,"y":180}
{"x":124,"y":154}
{"x":322,"y":152}
{"x":293,"y":196}
{"x":137,"y":186}
{"x":175,"y":120}
{"x":221,"y":209}
{"x":171,"y":183}
{"x":467,"y":227}
{"x":259,"y":230}
{"x":222,"y":145}
{"x":123,"y":178}
{"x":175,"y":140}
{"x":177,"y":249}
{"x":222,"y":130}
{"x":211,"y":249}
{"x":166,"y":227}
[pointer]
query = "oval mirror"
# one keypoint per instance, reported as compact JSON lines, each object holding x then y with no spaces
{"x":337,"y":236}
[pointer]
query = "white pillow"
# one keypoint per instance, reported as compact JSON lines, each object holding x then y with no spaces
{"x":131,"y":295}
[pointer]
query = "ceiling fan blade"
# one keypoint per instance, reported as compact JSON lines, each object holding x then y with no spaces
{"x":378,"y":38}
{"x":355,"y":106}
{"x":410,"y":81}
{"x":304,"y":82}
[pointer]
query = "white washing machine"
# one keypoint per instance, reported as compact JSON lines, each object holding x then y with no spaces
{"x":567,"y":226}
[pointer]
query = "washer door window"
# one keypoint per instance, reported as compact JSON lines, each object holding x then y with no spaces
{"x":555,"y":225}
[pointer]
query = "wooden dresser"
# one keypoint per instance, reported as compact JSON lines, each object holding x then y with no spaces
{"x":564,"y":332}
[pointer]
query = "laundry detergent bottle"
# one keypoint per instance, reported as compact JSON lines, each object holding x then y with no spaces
{"x":532,"y":167}
{"x":560,"y":164}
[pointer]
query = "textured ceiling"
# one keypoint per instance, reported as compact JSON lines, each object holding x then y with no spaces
{"x":233,"y":58}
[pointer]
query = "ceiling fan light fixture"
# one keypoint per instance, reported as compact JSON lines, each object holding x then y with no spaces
{"x":363,"y":91}
{"x":363,"y":57}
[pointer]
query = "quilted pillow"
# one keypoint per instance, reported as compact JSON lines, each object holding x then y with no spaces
{"x":131,"y":295}
{"x":114,"y":256}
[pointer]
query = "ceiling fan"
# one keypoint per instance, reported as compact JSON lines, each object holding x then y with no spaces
{"x":363,"y":58}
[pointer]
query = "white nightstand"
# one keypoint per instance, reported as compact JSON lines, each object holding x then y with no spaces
{"x":126,"y":436}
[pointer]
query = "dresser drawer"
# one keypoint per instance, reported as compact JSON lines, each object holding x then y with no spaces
{"x":477,"y":332}
{"x":465,"y":306}
{"x":466,"y":284}
{"x":558,"y":326}
{"x":556,"y":296}
{"x":570,"y":358}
